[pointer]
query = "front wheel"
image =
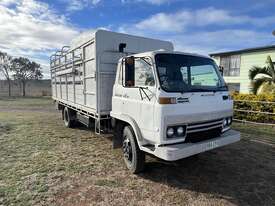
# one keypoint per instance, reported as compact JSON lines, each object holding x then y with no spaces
{"x":133,"y":157}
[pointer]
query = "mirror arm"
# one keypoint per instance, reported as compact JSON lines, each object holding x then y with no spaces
{"x":140,"y":93}
{"x":143,"y":58}
{"x":142,"y":89}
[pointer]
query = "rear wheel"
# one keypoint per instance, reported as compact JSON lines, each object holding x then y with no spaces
{"x":133,"y":157}
{"x":68,"y":117}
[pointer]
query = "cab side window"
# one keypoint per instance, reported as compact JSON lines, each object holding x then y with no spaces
{"x":144,"y":75}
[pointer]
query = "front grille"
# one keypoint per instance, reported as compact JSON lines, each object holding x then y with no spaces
{"x":204,"y":135}
{"x":202,"y":126}
{"x":201,"y":131}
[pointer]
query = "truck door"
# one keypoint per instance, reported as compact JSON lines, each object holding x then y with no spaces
{"x":139,"y":97}
{"x":145,"y":81}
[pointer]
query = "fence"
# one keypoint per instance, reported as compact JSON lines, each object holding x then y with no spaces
{"x":33,"y":88}
{"x":242,"y":113}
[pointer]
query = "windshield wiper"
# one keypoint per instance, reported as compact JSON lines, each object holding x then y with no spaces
{"x":215,"y":89}
{"x":223,"y":87}
{"x":202,"y":90}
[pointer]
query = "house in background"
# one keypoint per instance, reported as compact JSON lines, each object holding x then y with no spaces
{"x":236,"y":65}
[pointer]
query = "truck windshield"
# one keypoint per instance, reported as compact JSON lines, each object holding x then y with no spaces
{"x":186,"y":73}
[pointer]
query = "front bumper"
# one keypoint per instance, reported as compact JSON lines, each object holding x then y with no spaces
{"x":180,"y":151}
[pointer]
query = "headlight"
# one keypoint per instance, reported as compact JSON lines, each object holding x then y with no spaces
{"x":180,"y":131}
{"x":176,"y":131}
{"x":170,"y":132}
{"x":224,"y":122}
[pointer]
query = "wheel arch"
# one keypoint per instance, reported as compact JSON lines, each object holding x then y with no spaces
{"x":127,"y":120}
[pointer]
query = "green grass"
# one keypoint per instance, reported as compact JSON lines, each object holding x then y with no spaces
{"x":257,"y":132}
{"x":13,"y":103}
{"x":43,"y":163}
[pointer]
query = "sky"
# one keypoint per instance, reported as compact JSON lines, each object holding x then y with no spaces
{"x":37,"y":28}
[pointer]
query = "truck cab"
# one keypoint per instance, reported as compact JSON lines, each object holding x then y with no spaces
{"x":171,"y":105}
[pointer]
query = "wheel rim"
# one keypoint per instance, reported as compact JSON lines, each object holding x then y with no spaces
{"x":127,"y":150}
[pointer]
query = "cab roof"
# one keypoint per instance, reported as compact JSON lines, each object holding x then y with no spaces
{"x":161,"y":51}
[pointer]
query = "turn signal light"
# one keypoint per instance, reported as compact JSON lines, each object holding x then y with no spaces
{"x":167,"y":100}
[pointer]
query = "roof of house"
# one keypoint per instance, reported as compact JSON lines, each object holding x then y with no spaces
{"x":254,"y":49}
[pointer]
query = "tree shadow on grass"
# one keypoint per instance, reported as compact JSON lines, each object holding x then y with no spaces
{"x":91,"y":130}
{"x":242,"y":173}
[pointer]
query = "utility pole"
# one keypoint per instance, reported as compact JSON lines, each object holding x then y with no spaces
{"x":273,"y":32}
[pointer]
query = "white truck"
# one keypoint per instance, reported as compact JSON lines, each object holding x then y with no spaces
{"x":155,"y":100}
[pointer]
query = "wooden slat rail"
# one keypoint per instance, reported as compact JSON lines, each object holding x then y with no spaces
{"x":253,"y":111}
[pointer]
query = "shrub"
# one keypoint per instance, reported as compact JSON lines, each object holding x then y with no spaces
{"x":251,"y":103}
{"x":267,"y":89}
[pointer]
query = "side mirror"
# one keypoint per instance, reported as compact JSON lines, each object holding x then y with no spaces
{"x":129,"y":72}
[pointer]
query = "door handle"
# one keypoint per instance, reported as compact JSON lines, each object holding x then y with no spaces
{"x":125,"y":96}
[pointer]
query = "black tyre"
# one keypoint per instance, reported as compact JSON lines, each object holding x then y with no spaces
{"x":68,"y":117}
{"x":117,"y":139}
{"x":133,"y":157}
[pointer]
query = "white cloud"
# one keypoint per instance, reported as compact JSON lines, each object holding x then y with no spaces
{"x":8,"y":2}
{"x":94,"y":2}
{"x":179,"y":21}
{"x":158,"y":2}
{"x":30,"y":28}
{"x":165,"y":22}
{"x":205,"y":30}
{"x":154,"y":2}
{"x":206,"y":42}
{"x":76,"y":5}
{"x":211,"y":15}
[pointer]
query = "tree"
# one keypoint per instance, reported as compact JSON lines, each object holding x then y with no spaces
{"x":262,"y":75}
{"x":25,"y":70}
{"x":5,"y":68}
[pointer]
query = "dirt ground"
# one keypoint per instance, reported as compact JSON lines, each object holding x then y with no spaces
{"x":44,"y":163}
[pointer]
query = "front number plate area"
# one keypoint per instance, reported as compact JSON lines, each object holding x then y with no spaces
{"x":211,"y":145}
